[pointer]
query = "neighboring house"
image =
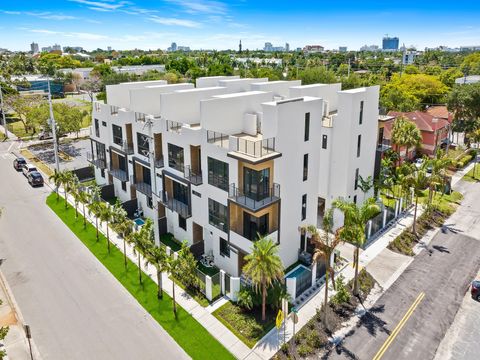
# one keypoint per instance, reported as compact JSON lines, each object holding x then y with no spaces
{"x":218,"y":164}
{"x":435,"y":130}
{"x":471,"y":79}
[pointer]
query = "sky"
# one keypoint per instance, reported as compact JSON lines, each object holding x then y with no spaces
{"x":217,"y":24}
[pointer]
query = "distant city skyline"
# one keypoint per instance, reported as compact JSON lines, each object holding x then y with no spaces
{"x":215,"y":24}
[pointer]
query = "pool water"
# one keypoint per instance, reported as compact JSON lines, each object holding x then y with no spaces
{"x":299,"y":270}
{"x":139,"y":221}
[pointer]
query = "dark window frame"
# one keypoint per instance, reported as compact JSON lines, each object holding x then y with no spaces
{"x":117,"y":138}
{"x":182,"y":222}
{"x":304,"y":207}
{"x":306,"y":135}
{"x":359,"y":145}
{"x":224,"y":247}
{"x":97,"y":128}
{"x":218,"y":215}
{"x":141,"y":148}
{"x":324,"y":141}
{"x":305,"y":167}
{"x":360,"y":119}
{"x":176,"y":157}
{"x":357,"y":174}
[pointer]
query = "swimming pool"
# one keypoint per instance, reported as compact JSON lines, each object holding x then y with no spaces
{"x":139,"y":222}
{"x":299,"y":270}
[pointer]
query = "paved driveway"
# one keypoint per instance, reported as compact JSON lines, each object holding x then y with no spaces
{"x":75,"y":307}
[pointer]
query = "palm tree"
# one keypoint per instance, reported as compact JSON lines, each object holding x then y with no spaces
{"x":353,"y":230}
{"x":95,"y":206}
{"x":263,"y":267}
{"x":157,"y":256}
{"x":68,"y":181}
{"x":172,"y":267}
{"x":438,"y":176}
{"x":399,"y":136}
{"x":76,"y":191}
{"x":419,"y":181}
{"x":325,"y":244}
{"x":106,"y":215}
{"x":125,"y":228}
{"x":475,"y":138}
{"x":83,"y":198}
{"x":57,"y":179}
{"x":141,"y":241}
{"x":413,"y":136}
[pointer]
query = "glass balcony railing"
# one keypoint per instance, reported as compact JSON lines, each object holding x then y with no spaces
{"x":99,"y":163}
{"x":141,"y":186}
{"x":118,"y":173}
{"x":175,"y":205}
{"x":254,"y":201}
{"x":253,"y":148}
{"x":195,"y":177}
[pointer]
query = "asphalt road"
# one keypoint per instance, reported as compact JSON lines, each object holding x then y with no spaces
{"x":437,"y":279}
{"x":75,"y":307}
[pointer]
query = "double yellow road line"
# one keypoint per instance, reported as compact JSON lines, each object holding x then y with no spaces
{"x":399,"y":327}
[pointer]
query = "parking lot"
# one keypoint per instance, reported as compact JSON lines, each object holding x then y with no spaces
{"x":73,"y":153}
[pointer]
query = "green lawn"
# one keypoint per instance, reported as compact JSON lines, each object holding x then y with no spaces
{"x":170,"y":241}
{"x":185,"y":330}
{"x":470,"y":175}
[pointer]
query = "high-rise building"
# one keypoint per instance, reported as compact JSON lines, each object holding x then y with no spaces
{"x":240,"y":46}
{"x":268,"y":47}
{"x":287,"y":47}
{"x":109,"y":48}
{"x":173,"y":47}
{"x":34,"y":48}
{"x":390,"y":43}
{"x":56,"y":47}
{"x":342,"y":49}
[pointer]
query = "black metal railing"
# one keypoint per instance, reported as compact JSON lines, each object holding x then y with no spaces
{"x":114,"y":110}
{"x":140,"y":116}
{"x":98,"y":107}
{"x":219,"y":222}
{"x":100,"y":163}
{"x":254,"y":201}
{"x":218,"y":139}
{"x":255,"y":148}
{"x":175,"y":205}
{"x":118,"y":173}
{"x":141,"y":186}
{"x":195,"y":177}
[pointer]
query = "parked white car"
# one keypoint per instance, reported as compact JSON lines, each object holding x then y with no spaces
{"x":28,"y":168}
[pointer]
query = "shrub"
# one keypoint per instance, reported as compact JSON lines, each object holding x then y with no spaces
{"x":314,"y":340}
{"x":284,"y":348}
{"x":245,"y":299}
{"x":304,"y":350}
{"x":342,"y":295}
{"x":464,"y":160}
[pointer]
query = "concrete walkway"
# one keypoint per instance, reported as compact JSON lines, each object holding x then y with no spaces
{"x":201,"y":314}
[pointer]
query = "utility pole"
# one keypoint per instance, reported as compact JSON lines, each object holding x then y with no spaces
{"x":4,"y":122}
{"x":53,"y":125}
{"x":153,"y":177}
{"x":348,"y":67}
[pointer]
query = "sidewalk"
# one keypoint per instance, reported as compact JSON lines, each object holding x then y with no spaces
{"x":15,"y":343}
{"x":11,"y":136}
{"x":201,"y":314}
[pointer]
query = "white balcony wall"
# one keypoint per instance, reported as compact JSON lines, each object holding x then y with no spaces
{"x":212,"y":81}
{"x":327,"y":92}
{"x":147,"y":100}
{"x":278,"y":88}
{"x":119,"y":95}
{"x":240,"y":85}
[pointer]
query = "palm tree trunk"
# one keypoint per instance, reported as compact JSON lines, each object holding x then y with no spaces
{"x":84,"y":217}
{"x":325,"y":301}
{"x":139,"y":269}
{"x":415,"y":216}
{"x":125,"y":252}
{"x":355,"y":284}
{"x":108,"y":240}
{"x":264,"y":299}
{"x":159,"y":280}
{"x":66,"y":202}
{"x":173,"y":298}
{"x":96,"y":225}
{"x":76,"y":210}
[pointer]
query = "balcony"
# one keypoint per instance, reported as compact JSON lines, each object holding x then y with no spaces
{"x":99,"y":163}
{"x":98,"y":107}
{"x":245,"y":244}
{"x":174,"y":126}
{"x":252,"y":149}
{"x":159,"y":163}
{"x":141,"y":187}
{"x":254,"y":204}
{"x":175,"y":205}
{"x":114,"y":110}
{"x":118,"y":174}
{"x":194,"y":177}
{"x":127,"y":147}
{"x":218,"y":139}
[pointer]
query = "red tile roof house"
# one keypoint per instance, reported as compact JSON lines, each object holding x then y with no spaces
{"x":434,"y":129}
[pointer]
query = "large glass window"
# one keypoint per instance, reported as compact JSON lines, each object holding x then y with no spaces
{"x":359,"y":145}
{"x":324,"y":141}
{"x":217,"y":215}
{"x":100,"y":148}
{"x":254,"y":226}
{"x":218,"y":173}
{"x":97,"y":128}
{"x":146,"y":175}
{"x":256,"y":183}
{"x":175,"y":157}
{"x":142,"y":144}
{"x":180,"y":193}
{"x":117,"y":134}
{"x":356,"y":178}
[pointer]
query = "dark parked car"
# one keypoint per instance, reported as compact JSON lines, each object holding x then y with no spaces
{"x":18,"y":163}
{"x":35,"y":178}
{"x":476,"y":290}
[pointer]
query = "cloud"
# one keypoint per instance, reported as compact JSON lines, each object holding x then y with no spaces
{"x":50,"y":16}
{"x":8,"y":12}
{"x":174,"y":22}
{"x":105,"y":5}
{"x":201,"y":6}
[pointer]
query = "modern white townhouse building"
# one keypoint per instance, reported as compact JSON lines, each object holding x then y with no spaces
{"x":232,"y":158}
